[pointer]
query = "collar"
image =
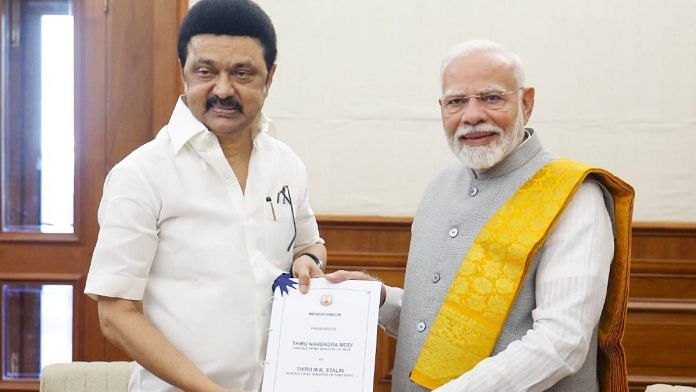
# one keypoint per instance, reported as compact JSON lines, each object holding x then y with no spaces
{"x":517,"y":158}
{"x":183,"y":127}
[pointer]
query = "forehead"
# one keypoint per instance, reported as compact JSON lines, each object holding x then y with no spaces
{"x":225,"y":49}
{"x":476,"y":72}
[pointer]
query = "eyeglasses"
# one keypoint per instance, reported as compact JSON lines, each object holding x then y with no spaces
{"x":285,"y":193}
{"x":491,"y":100}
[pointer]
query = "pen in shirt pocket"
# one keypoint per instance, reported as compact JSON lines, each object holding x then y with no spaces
{"x":270,"y":203}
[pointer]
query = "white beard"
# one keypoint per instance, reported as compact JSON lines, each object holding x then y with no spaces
{"x":481,"y":158}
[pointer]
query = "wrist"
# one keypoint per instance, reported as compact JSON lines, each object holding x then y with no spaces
{"x":314,"y":258}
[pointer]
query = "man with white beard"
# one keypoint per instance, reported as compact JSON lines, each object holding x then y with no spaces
{"x":513,"y":252}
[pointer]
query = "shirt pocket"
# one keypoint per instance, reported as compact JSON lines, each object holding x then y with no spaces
{"x":279,"y":235}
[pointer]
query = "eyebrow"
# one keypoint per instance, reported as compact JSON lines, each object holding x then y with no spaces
{"x":205,"y":61}
{"x":493,"y":89}
{"x":240,"y":64}
{"x":453,"y":93}
{"x":460,"y":93}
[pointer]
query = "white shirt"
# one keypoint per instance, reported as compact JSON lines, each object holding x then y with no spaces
{"x":177,"y":232}
{"x":571,"y":285}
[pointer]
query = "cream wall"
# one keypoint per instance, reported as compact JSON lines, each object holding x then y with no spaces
{"x":356,"y":92}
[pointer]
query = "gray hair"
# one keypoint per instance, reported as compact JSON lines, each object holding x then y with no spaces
{"x":478,"y":46}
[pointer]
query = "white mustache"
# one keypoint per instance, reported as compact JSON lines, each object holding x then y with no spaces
{"x":464,"y":130}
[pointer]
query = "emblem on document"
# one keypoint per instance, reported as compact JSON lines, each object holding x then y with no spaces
{"x":326,"y":300}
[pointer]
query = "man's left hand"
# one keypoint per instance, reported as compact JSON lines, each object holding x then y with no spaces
{"x":304,"y":268}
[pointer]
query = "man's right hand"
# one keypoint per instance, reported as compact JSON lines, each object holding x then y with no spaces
{"x":342,"y":275}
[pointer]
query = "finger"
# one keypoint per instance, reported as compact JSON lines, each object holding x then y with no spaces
{"x":303,"y":279}
{"x":316,"y":272}
{"x":299,"y":268}
{"x":336,"y":276}
{"x":341,"y":275}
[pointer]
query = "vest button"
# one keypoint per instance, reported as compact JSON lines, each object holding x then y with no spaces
{"x":421,"y":326}
{"x":453,"y":232}
{"x":473,"y":191}
{"x":435,"y":278}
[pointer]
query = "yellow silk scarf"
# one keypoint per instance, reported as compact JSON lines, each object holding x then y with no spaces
{"x":476,"y":306}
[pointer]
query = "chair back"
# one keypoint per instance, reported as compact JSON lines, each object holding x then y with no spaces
{"x":86,"y":377}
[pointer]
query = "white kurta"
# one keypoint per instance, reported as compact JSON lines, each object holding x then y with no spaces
{"x":177,"y":232}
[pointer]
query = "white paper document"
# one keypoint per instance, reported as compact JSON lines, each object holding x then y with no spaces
{"x":324,"y":340}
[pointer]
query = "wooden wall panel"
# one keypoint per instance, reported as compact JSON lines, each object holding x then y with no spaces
{"x":143,"y":77}
{"x":129,"y":68}
{"x":91,"y":161}
{"x":167,"y":81}
{"x":380,"y":247}
{"x":660,"y":337}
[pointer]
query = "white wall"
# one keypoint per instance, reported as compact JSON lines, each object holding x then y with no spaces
{"x":356,"y":92}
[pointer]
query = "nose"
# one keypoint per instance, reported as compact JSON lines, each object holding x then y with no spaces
{"x":223,"y":87}
{"x":473,"y":113}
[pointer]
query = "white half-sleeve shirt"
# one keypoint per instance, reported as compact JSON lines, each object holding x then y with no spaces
{"x":177,"y":232}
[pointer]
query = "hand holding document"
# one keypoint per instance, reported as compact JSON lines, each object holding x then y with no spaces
{"x":323,"y":340}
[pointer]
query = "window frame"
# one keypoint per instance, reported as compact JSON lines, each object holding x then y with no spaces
{"x":9,"y":13}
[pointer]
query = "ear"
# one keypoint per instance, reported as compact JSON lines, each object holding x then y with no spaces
{"x":269,"y":78}
{"x":439,"y":102}
{"x":181,"y":75}
{"x":527,"y":103}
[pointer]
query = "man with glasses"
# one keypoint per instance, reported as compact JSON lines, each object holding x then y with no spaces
{"x":196,"y":225}
{"x":511,"y":252}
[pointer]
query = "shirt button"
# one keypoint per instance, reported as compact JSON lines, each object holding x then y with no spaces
{"x":435,"y":278}
{"x":453,"y":232}
{"x":421,"y":326}
{"x":473,"y":191}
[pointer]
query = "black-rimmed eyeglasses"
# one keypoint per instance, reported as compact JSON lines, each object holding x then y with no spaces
{"x":453,"y":103}
{"x":284,"y":195}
